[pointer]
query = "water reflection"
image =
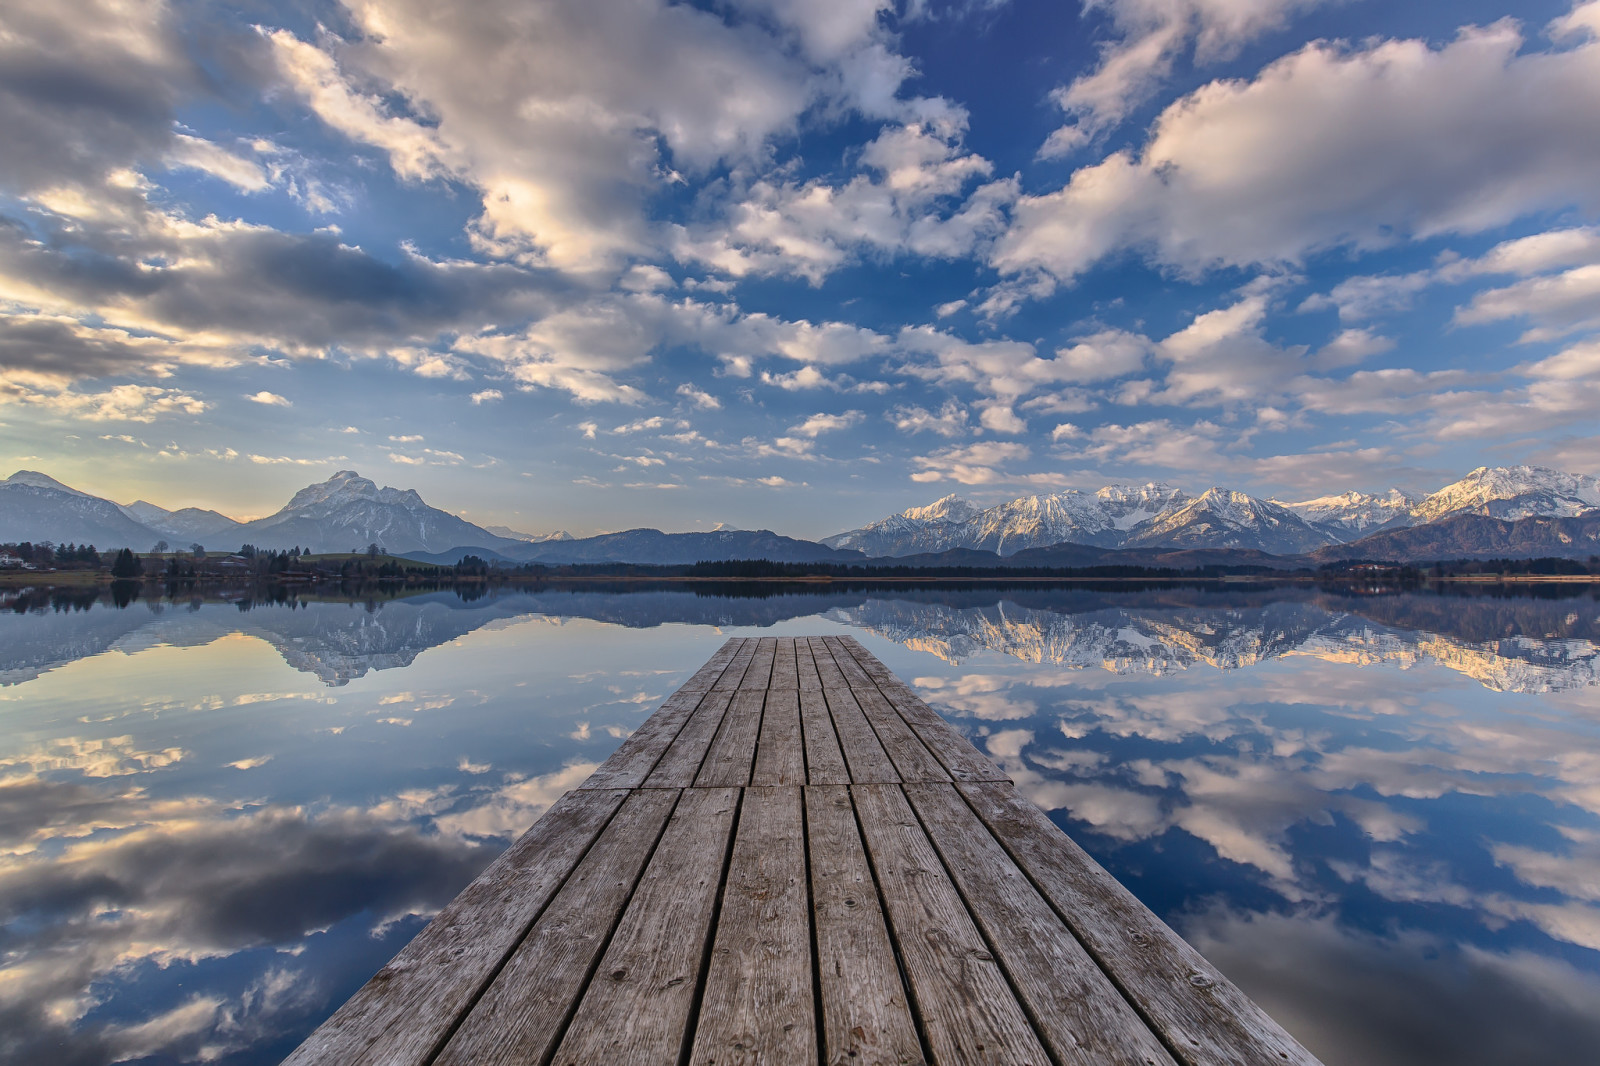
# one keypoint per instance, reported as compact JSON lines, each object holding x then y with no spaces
{"x":1380,"y":815}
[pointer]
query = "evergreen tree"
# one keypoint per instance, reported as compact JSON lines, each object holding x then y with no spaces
{"x":126,"y":565}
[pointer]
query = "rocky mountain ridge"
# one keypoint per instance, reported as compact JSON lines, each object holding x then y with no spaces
{"x":1156,"y":515}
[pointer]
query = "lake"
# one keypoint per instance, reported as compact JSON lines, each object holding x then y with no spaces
{"x":1378,"y":814}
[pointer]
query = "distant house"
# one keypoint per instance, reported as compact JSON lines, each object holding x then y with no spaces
{"x":7,"y":559}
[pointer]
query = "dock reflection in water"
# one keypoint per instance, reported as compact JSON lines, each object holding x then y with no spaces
{"x":1379,"y":815}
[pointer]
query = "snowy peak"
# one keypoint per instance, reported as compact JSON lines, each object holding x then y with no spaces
{"x":951,"y":508}
{"x":1355,"y":513}
{"x":1512,"y":492}
{"x":1225,"y":518}
{"x":34,"y":479}
{"x":1128,"y":505}
{"x":343,"y":487}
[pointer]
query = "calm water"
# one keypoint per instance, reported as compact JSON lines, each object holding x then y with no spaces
{"x":1379,"y":815}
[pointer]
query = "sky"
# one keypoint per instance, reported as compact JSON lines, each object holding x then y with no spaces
{"x":794,"y":264}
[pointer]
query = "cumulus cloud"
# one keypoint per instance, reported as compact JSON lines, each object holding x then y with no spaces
{"x":821,"y":423}
{"x":1336,"y":146}
{"x":949,"y":421}
{"x":972,"y":464}
{"x":910,"y":200}
{"x":591,"y":106}
{"x":1147,"y":37}
{"x":270,"y":399}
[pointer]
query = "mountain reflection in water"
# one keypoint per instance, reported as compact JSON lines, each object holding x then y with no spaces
{"x":1510,"y":644}
{"x":1381,"y":815}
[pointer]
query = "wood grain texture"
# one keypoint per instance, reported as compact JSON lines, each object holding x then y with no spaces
{"x":781,"y":753}
{"x":758,"y":675}
{"x":866,"y":1019}
{"x":963,"y":761}
{"x":637,"y":756}
{"x":967,"y":1009}
{"x":635,"y":1011}
{"x":1081,"y":1016}
{"x":524,"y":1010}
{"x":758,"y":1005}
{"x":912,"y":759}
{"x":400,"y":1017}
{"x":733,"y":751}
{"x":681,"y":762}
{"x":863,"y":755}
{"x":1199,"y":1013}
{"x":785,"y":675}
{"x":824,"y":761}
{"x":734,"y":674}
{"x":805,"y":667}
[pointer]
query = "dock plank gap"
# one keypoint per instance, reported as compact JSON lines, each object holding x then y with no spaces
{"x":795,"y":860}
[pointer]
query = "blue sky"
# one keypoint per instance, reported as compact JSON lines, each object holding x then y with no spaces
{"x":794,"y":263}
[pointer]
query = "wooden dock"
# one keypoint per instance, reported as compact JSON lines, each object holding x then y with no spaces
{"x":795,"y":860}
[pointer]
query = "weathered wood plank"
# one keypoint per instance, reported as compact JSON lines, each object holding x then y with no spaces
{"x":805,"y":667}
{"x":781,"y":754}
{"x":785,"y":674}
{"x":633,"y":761}
{"x":1199,"y":1013}
{"x":824,"y":762}
{"x":866,"y":1020}
{"x":758,"y":1005}
{"x":734,"y":674}
{"x":732,"y":752}
{"x":635,"y":1011}
{"x":758,"y":675}
{"x":524,"y":1010}
{"x":963,"y":761}
{"x":400,"y":1017}
{"x":863,"y":754}
{"x":967,"y":1009}
{"x":912,"y":759}
{"x":678,"y":767}
{"x":1082,"y":1017}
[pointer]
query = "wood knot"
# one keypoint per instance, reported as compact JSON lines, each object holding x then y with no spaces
{"x":1200,"y":980}
{"x":617,"y":975}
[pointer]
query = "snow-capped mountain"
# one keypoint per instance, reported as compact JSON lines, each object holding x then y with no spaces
{"x":1100,"y":519}
{"x":37,"y":507}
{"x":1113,"y":517}
{"x":1157,"y":515}
{"x":1512,"y":492}
{"x":349,"y":511}
{"x":1223,"y":518}
{"x":185,"y":526}
{"x":529,"y":538}
{"x":917,"y":529}
{"x":1355,"y":514}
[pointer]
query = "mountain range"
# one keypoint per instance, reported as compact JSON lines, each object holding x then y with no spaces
{"x":1517,"y":511}
{"x":1160,"y":516}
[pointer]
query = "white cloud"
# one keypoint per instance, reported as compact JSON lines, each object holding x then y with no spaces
{"x":1335,"y":146}
{"x":1557,"y":304}
{"x":949,"y":421}
{"x":271,"y":399}
{"x":699,"y":397}
{"x":199,"y":154}
{"x":484,"y":396}
{"x":910,"y":200}
{"x":1149,"y":35}
{"x":591,"y":105}
{"x":819,"y":424}
{"x":972,"y":464}
{"x":121,"y":403}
